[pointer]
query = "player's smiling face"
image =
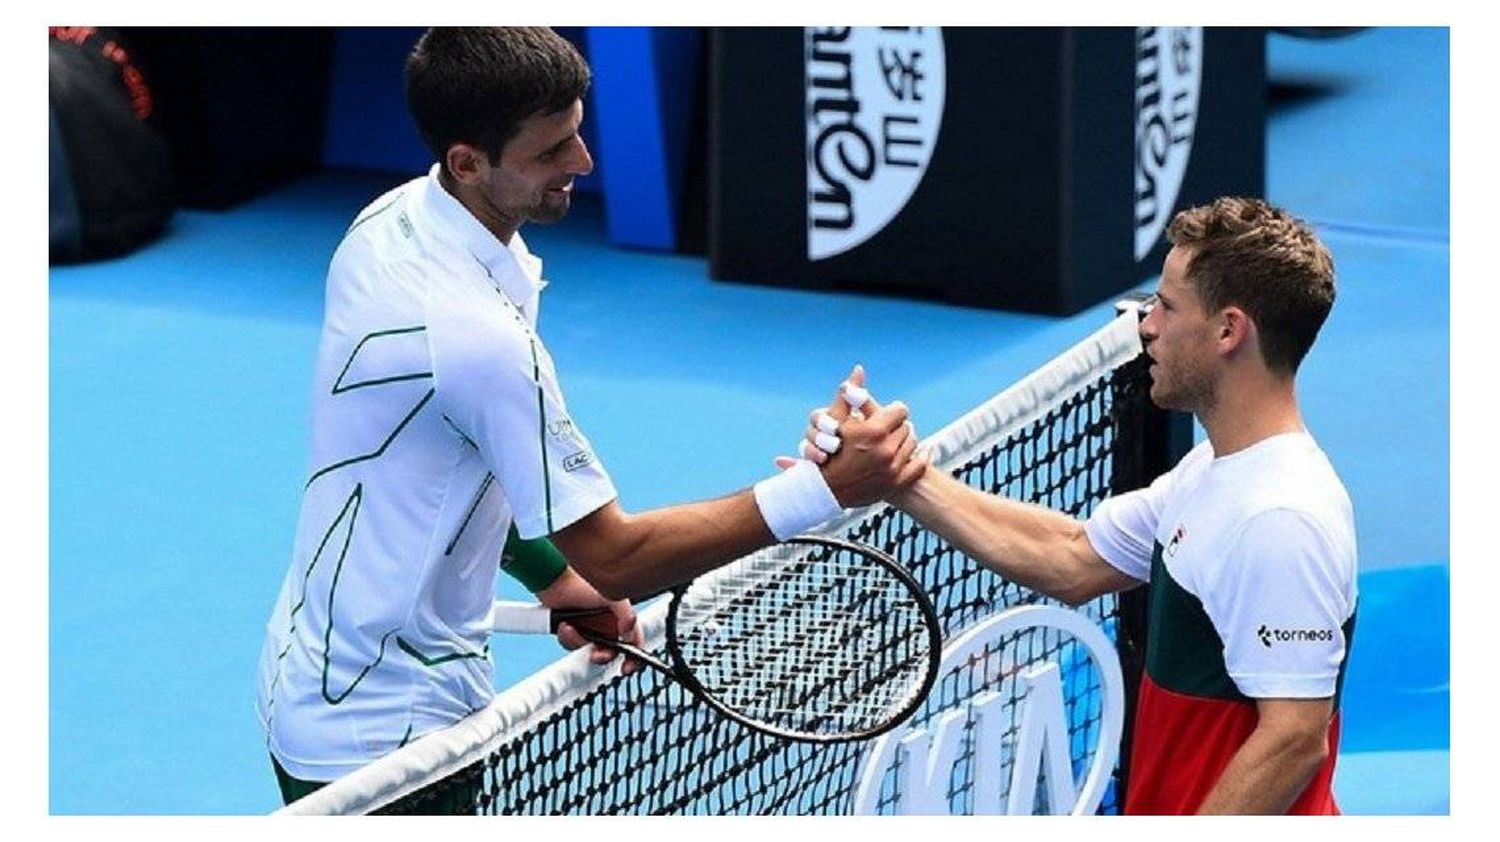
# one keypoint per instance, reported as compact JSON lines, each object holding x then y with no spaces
{"x":1179,"y":337}
{"x":533,"y":180}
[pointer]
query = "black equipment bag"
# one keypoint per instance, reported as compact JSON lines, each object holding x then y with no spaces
{"x":110,"y":170}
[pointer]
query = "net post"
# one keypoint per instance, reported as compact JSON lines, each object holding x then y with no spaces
{"x":1149,"y":441}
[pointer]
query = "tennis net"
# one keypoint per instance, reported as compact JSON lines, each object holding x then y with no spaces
{"x":579,"y":739}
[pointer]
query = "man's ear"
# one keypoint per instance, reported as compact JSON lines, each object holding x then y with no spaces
{"x":468,"y":164}
{"x":1235,"y":330}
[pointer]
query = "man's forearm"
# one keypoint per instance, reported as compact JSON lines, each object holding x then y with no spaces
{"x":1267,"y":774}
{"x":627,"y":556}
{"x":1032,"y":545}
{"x":570,"y":590}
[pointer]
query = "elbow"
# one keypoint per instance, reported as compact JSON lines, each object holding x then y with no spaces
{"x":1315,"y":751}
{"x":1073,"y":594}
{"x":1304,"y":752}
{"x":1079,"y":575}
{"x":1079,"y":585}
{"x":601,"y":547}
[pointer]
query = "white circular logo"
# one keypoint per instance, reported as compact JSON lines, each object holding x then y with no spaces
{"x":1168,"y":76}
{"x":874,"y":106}
{"x":1002,"y":723}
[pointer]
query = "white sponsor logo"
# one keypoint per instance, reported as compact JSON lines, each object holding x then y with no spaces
{"x":928,"y":757}
{"x":874,"y":106}
{"x":1168,"y":76}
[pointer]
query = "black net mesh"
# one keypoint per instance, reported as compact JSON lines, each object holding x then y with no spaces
{"x":642,"y":745}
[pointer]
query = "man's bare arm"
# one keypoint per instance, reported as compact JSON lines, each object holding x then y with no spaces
{"x":1033,"y":545}
{"x":627,"y":555}
{"x":1276,"y":763}
{"x":1038,"y":547}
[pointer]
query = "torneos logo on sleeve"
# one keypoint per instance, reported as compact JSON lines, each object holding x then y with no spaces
{"x":874,"y":106}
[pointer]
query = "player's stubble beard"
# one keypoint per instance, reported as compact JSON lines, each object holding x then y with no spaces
{"x":550,"y":206}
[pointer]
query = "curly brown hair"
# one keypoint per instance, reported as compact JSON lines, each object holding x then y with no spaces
{"x":1250,"y":254}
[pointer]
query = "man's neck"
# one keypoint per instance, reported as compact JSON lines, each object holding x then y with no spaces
{"x":478,"y":207}
{"x":1248,"y":413}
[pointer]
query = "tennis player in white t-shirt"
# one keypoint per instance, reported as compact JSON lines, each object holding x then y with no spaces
{"x":1248,"y":543}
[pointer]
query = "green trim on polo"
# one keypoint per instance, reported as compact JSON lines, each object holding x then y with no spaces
{"x":460,"y":433}
{"x":378,"y":452}
{"x":541,"y":409}
{"x":352,"y":503}
{"x":372,"y":214}
{"x":333,"y":587}
{"x":439,"y":660}
{"x":484,"y":487}
{"x":339,"y":388}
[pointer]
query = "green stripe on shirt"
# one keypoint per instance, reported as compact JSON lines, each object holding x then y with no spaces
{"x":541,"y":409}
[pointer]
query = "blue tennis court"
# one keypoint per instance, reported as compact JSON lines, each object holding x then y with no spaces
{"x":179,"y":381}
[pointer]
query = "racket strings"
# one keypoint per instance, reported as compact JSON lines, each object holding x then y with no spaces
{"x":821,"y":642}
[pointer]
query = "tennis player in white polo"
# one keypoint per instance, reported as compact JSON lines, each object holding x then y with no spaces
{"x":439,"y":427}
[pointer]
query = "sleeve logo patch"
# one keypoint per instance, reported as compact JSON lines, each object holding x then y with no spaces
{"x":1269,"y":636}
{"x":578,"y":460}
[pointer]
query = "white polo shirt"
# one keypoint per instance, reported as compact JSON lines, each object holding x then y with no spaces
{"x":437,"y":420}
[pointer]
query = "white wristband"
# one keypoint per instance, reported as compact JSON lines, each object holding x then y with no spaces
{"x":795,"y":500}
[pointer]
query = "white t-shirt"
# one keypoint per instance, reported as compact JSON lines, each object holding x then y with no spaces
{"x":437,"y":420}
{"x":1264,"y":539}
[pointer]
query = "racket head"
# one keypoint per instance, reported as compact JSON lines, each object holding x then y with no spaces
{"x":814,"y":639}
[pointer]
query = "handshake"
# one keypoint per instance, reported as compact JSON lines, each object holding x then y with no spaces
{"x":855,"y":452}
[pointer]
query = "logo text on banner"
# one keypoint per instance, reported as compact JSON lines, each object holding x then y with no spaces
{"x":874,"y":106}
{"x":1168,"y":77}
{"x":1033,"y":739}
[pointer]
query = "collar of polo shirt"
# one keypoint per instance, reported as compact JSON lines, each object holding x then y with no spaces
{"x":515,"y":270}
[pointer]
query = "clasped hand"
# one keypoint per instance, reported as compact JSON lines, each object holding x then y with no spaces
{"x":866,"y":451}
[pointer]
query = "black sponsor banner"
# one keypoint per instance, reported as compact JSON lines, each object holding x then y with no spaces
{"x":1031,"y":169}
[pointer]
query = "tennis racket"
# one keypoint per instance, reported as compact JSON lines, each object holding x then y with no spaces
{"x":813,"y":639}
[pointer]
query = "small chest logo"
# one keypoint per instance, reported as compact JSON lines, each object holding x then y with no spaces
{"x":560,"y":428}
{"x":1178,"y":535}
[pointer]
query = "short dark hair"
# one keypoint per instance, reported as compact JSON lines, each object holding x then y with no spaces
{"x":1249,"y":254}
{"x":476,"y":85}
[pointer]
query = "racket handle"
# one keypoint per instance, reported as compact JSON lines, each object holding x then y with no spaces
{"x":511,"y":617}
{"x":508,"y":617}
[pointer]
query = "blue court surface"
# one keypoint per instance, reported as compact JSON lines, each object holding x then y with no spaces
{"x":179,"y":381}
